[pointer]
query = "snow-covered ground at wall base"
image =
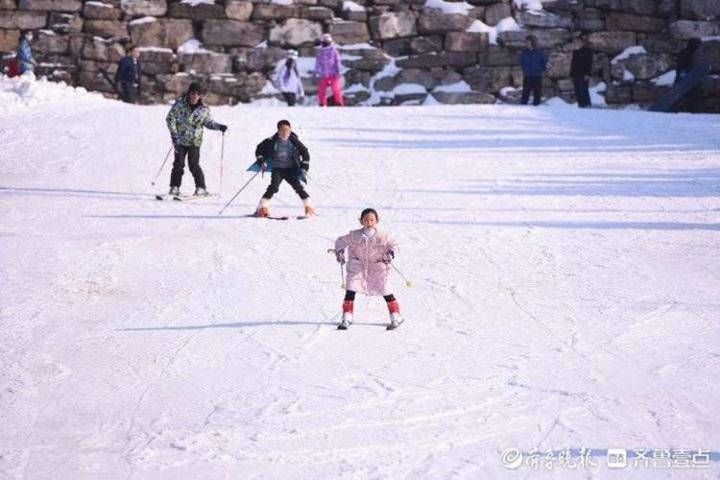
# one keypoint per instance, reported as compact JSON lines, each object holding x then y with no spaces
{"x":564,"y":297}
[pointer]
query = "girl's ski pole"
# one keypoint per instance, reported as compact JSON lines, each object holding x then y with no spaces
{"x":342,"y":269}
{"x":408,"y":283}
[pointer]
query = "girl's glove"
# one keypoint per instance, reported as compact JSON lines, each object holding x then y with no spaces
{"x":388,"y":257}
{"x":340,"y":257}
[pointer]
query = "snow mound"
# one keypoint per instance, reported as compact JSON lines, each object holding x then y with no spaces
{"x":26,"y":91}
{"x":629,"y":52}
{"x":449,"y":7}
{"x":192,"y":46}
{"x":667,"y":79}
{"x":458,"y":87}
{"x":528,"y":4}
{"x":505,"y":25}
{"x":352,"y":6}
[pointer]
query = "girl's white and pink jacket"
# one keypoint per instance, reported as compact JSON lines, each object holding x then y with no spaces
{"x":366,"y":272}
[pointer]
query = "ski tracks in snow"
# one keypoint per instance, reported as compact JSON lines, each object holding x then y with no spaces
{"x":151,"y":339}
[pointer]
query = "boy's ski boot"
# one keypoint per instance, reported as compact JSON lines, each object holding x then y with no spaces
{"x":263,"y":209}
{"x":309,"y":210}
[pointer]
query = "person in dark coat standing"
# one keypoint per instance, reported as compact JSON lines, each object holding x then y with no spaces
{"x":26,"y":60}
{"x":533,"y":65}
{"x":580,"y":71}
{"x":686,"y":62}
{"x":289,"y":160}
{"x":686,"y":59}
{"x":127,"y":77}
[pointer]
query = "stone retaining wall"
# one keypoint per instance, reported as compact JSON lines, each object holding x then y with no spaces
{"x":395,"y":52}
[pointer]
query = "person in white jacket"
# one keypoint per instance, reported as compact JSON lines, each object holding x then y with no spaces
{"x":287,"y":79}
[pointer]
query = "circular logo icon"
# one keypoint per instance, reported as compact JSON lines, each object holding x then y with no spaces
{"x":511,"y":458}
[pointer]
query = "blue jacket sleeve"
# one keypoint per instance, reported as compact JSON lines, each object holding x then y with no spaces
{"x":24,"y":52}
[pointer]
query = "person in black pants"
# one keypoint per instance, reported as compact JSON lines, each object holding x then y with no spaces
{"x":580,"y":71}
{"x":686,"y":59}
{"x":186,"y":120}
{"x":533,"y":65}
{"x":128,"y":75}
{"x":289,"y":160}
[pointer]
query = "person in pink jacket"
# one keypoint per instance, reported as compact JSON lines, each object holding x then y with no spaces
{"x":369,"y":253}
{"x":327,"y":69}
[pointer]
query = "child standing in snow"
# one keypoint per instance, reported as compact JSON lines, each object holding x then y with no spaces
{"x":327,"y":69}
{"x":287,"y":79}
{"x":369,"y":253}
{"x":24,"y":53}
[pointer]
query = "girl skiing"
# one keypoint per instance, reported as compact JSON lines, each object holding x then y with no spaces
{"x":327,"y":69}
{"x":370,"y":252}
{"x":287,"y":79}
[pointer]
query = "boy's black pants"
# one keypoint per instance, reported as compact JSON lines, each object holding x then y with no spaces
{"x":290,"y":176}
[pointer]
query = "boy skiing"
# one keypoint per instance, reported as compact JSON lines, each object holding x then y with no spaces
{"x":186,"y":120}
{"x":289,"y":160}
{"x":369,"y":253}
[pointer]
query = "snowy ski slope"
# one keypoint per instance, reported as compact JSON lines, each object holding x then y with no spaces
{"x":565,"y":296}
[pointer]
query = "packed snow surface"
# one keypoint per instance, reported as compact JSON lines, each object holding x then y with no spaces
{"x":564,"y":296}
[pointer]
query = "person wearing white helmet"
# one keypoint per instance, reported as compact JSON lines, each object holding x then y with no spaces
{"x":287,"y":79}
{"x":327,"y":69}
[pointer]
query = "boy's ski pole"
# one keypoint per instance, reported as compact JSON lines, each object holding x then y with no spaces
{"x":342,"y":268}
{"x":161,"y":166}
{"x":238,"y":193}
{"x":408,"y":283}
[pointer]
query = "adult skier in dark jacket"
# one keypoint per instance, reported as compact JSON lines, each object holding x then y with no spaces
{"x":127,"y":77}
{"x":186,"y":120}
{"x":289,"y":160}
{"x":580,"y":71}
{"x":533,"y":65}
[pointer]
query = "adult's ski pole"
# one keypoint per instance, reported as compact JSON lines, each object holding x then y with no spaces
{"x":222,"y":161}
{"x":161,"y":166}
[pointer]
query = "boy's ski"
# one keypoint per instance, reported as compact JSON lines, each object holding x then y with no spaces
{"x":268,"y":217}
{"x":278,"y":217}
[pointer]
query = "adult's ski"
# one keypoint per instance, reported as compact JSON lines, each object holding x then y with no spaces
{"x":189,"y":198}
{"x":183,"y":198}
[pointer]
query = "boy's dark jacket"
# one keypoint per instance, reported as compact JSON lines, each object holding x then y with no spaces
{"x":266,"y":149}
